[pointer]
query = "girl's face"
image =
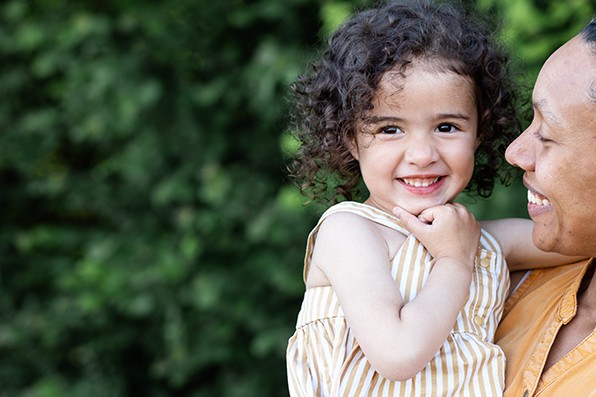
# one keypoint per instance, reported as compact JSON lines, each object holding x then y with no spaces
{"x":416,"y":146}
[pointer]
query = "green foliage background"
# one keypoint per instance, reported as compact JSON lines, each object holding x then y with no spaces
{"x":150,"y":242}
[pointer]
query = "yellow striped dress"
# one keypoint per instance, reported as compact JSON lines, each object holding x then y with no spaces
{"x":324,"y":359}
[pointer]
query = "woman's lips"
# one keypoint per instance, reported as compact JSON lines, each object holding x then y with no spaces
{"x":537,"y":199}
{"x":537,"y":204}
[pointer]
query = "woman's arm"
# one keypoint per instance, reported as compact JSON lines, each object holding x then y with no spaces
{"x":398,"y":340}
{"x":515,"y":237}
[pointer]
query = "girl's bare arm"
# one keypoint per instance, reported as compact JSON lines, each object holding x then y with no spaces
{"x":398,"y":339}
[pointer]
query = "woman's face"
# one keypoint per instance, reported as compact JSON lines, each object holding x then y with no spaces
{"x":557,"y":152}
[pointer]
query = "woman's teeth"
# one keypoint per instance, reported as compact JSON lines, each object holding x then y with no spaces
{"x":419,"y":182}
{"x":535,"y":199}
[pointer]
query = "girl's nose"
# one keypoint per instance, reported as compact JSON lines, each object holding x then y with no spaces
{"x":421,"y":152}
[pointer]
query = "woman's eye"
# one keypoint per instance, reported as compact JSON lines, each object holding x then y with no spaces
{"x":446,"y":128}
{"x":390,"y":130}
{"x":541,"y":138}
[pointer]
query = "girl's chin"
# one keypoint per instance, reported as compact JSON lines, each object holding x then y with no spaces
{"x":416,"y":209}
{"x":413,"y":207}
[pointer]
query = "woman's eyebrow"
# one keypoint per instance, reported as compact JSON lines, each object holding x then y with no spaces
{"x":542,"y":107}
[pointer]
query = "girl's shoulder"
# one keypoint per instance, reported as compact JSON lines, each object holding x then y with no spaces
{"x":353,"y":211}
{"x":359,"y":226}
{"x":351,"y":232}
{"x":352,"y":223}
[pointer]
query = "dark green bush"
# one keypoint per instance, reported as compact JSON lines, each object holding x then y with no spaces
{"x":151,"y":244}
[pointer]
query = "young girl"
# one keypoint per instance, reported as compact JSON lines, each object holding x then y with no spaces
{"x":414,"y":99}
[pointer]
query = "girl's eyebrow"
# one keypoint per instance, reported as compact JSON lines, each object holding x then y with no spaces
{"x":380,"y":119}
{"x":460,"y":116}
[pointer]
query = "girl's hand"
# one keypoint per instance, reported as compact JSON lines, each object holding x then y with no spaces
{"x":447,"y":231}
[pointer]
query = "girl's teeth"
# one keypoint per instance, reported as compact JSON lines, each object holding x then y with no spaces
{"x":534,"y":199}
{"x":417,"y":182}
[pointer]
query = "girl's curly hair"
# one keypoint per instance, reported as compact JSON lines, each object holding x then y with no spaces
{"x":337,"y":91}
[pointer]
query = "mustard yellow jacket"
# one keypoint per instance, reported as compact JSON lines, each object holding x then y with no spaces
{"x":545,"y":301}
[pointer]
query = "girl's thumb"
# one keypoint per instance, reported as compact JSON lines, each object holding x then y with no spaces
{"x":408,"y":220}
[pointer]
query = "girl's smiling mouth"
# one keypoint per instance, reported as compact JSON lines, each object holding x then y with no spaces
{"x":420,"y":182}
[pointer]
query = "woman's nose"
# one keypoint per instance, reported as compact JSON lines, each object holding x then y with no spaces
{"x":520,"y":152}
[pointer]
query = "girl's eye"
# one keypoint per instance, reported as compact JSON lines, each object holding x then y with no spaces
{"x":446,"y":128}
{"x":391,"y":130}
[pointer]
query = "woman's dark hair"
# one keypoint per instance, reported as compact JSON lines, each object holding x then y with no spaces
{"x":337,"y":91}
{"x":588,"y":33}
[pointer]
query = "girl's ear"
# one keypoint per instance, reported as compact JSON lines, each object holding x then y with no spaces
{"x":479,"y":132}
{"x":353,"y":147}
